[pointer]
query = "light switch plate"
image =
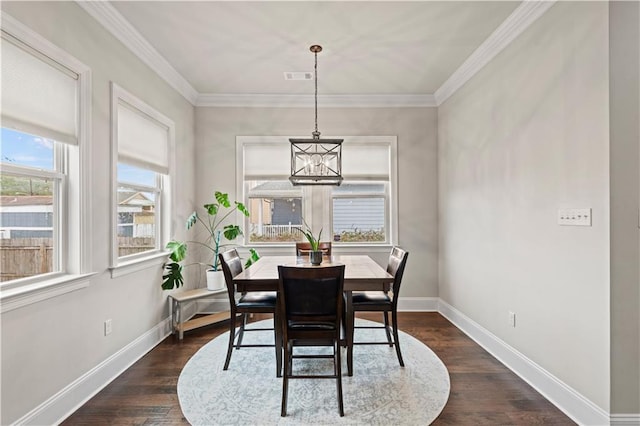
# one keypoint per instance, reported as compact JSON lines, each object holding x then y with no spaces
{"x":574,"y":217}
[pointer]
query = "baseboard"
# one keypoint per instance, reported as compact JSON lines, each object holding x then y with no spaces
{"x":625,"y":420}
{"x":68,"y":400}
{"x":405,"y":304}
{"x":418,"y":304}
{"x":569,"y":401}
{"x":573,"y":404}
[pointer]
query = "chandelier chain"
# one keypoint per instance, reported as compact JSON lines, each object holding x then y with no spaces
{"x":315,"y":73}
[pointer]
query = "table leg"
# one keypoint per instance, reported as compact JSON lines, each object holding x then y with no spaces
{"x":350,"y":324}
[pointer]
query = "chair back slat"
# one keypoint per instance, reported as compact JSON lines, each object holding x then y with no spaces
{"x":313,"y":294}
{"x":231,"y":267}
{"x":397,"y":262}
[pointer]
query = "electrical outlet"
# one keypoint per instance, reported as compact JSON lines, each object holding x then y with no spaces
{"x":512,"y":319}
{"x":107,"y":327}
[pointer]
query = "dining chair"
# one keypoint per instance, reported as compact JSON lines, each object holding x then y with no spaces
{"x":381,"y":301}
{"x":247,"y":303}
{"x":310,"y":302}
{"x":303,"y":248}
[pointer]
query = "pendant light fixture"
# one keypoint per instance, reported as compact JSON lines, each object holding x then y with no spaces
{"x":316,"y":161}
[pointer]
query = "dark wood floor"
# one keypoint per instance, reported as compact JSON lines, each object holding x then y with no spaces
{"x":483,"y":391}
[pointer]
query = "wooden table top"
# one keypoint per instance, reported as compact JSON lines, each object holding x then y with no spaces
{"x":360,"y":273}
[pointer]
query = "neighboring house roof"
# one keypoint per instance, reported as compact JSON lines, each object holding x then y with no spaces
{"x":26,"y":200}
{"x":275,"y":189}
{"x":133,"y":198}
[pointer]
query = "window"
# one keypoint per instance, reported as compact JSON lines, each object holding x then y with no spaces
{"x":275,"y":208}
{"x":360,"y":211}
{"x":142,"y":142}
{"x":33,"y":183}
{"x":45,"y":120}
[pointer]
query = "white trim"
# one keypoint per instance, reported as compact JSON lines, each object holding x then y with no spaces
{"x":314,"y":193}
{"x":307,"y":101}
{"x":78,"y":226}
{"x":165,"y":210}
{"x":521,"y":18}
{"x":34,"y":40}
{"x":14,"y":297}
{"x":625,"y":420}
{"x":418,"y":304}
{"x":68,"y":400}
{"x":120,"y":28}
{"x":567,"y":399}
{"x":138,"y":264}
{"x":405,"y":304}
{"x":85,"y":223}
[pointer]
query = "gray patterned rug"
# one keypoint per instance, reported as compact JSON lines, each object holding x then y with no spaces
{"x":249,"y":393}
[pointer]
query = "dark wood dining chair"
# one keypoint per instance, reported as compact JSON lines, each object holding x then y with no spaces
{"x":380,"y":301}
{"x":304,"y":248}
{"x":310,"y":302}
{"x":248,"y":303}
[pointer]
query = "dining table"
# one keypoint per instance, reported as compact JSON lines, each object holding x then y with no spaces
{"x":361,"y":273}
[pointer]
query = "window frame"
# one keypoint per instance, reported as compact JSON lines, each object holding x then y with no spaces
{"x":164,"y":210}
{"x":317,"y":201}
{"x":76,"y":240}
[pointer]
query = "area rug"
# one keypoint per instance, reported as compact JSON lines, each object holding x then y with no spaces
{"x":380,"y":392}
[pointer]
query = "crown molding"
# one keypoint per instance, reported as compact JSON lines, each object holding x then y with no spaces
{"x":119,"y":27}
{"x":307,"y":101}
{"x":519,"y":20}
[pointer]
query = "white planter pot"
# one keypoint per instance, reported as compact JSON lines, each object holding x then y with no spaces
{"x":215,"y":280}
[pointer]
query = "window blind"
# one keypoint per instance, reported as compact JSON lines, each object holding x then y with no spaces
{"x":142,"y":140}
{"x":370,"y":160}
{"x":39,"y":96}
{"x":358,"y":159}
{"x":267,"y":160}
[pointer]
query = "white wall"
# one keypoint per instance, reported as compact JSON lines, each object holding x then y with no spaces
{"x":48,"y":345}
{"x":217,"y":128}
{"x":526,"y":136}
{"x":624,"y":60}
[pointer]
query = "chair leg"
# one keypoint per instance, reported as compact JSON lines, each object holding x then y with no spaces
{"x":278,"y":345}
{"x":338,"y":363}
{"x":394,"y":318}
{"x":232,"y":337}
{"x":243,"y":323}
{"x":285,"y":382}
{"x":385,"y":315}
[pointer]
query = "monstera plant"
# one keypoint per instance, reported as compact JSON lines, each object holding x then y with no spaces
{"x":212,"y":221}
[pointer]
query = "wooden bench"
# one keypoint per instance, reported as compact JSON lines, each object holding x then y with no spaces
{"x":178,"y":323}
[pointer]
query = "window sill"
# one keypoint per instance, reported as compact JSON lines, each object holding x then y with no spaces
{"x":344,"y":248}
{"x":138,"y":264}
{"x":29,"y":293}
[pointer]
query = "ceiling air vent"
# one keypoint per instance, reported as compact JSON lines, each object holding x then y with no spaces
{"x":298,"y":75}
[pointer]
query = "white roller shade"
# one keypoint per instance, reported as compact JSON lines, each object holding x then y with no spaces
{"x":39,"y":96}
{"x":366,"y":160}
{"x":142,"y":140}
{"x":267,"y":159}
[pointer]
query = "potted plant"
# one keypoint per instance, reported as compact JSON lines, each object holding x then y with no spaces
{"x":213,"y":227}
{"x":315,"y":255}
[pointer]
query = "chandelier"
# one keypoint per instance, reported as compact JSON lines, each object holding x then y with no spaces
{"x":316,"y":161}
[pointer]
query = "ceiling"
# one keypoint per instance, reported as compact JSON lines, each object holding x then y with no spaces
{"x":369,"y":47}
